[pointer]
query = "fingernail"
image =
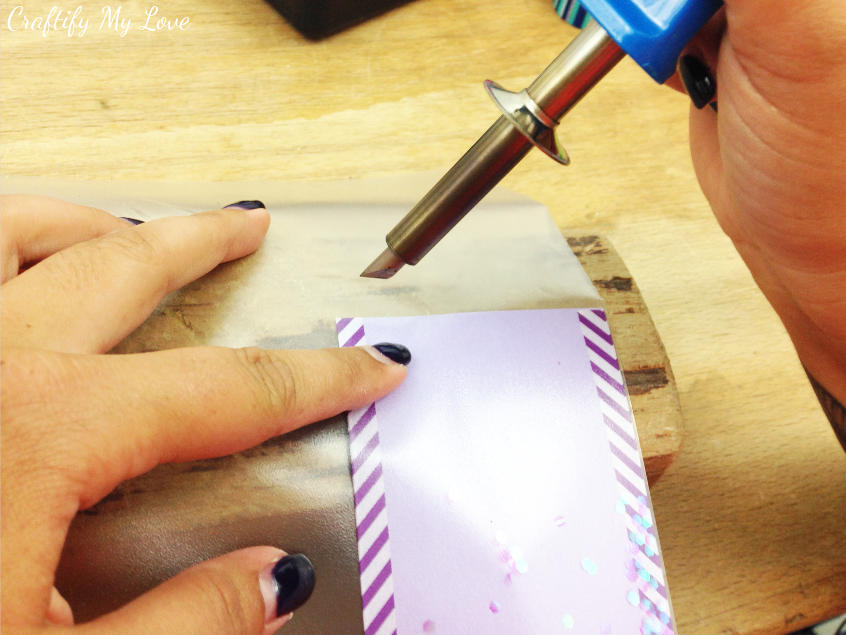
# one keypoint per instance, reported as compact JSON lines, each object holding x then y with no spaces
{"x":133,"y":221}
{"x":395,"y":352}
{"x":245,"y":205}
{"x":713,"y":105}
{"x":698,"y":80}
{"x":286,"y":585}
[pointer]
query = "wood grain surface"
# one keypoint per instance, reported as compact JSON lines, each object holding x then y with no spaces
{"x":751,"y":511}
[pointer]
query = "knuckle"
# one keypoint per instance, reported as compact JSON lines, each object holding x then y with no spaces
{"x":349,"y":371}
{"x":275,"y":381}
{"x":75,"y":267}
{"x":227,"y":605}
{"x":138,"y":248}
{"x":135,"y":245}
{"x":220,"y":232}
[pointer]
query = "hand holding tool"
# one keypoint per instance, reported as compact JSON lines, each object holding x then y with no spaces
{"x":652,"y":32}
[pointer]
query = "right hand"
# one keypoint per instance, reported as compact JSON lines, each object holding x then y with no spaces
{"x":772,"y":162}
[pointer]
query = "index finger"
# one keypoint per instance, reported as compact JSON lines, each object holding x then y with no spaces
{"x":181,"y":404}
{"x":88,"y":297}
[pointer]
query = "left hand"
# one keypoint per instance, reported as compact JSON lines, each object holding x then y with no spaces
{"x":77,"y":422}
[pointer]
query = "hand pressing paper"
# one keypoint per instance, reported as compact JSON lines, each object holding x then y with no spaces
{"x":500,"y":488}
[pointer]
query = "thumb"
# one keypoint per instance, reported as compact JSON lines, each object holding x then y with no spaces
{"x":252,"y":590}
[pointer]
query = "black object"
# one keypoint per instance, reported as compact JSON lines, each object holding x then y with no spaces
{"x":698,"y":80}
{"x":395,"y":352}
{"x":247,"y":205}
{"x":294,"y":577}
{"x":318,"y":18}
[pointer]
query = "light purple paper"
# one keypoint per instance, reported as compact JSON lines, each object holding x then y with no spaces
{"x":488,"y":496}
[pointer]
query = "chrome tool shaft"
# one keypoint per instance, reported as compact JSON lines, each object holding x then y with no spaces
{"x":529,"y":118}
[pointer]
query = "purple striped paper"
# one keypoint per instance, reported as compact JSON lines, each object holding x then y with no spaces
{"x":651,"y":594}
{"x":396,"y":567}
{"x":374,"y":551}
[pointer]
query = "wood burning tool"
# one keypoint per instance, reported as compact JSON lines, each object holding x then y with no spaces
{"x":652,"y":32}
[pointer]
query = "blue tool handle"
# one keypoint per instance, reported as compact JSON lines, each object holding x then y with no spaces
{"x":653,"y":32}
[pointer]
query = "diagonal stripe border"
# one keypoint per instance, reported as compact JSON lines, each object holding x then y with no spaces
{"x":649,"y":592}
{"x":374,"y":549}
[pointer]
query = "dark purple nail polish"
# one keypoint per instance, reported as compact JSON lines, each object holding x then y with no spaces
{"x":698,"y":80}
{"x":134,"y":221}
{"x":395,"y":352}
{"x":294,"y":578}
{"x":246,"y":205}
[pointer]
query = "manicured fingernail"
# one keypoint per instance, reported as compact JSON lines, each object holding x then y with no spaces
{"x":286,"y":585}
{"x":713,"y":105}
{"x":395,"y":352}
{"x":698,"y":80}
{"x":133,"y":221}
{"x":245,"y":205}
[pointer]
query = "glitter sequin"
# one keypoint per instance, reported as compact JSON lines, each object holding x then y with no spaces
{"x":589,"y":566}
{"x":559,"y":521}
{"x":493,"y":607}
{"x":633,"y":597}
{"x":428,"y":626}
{"x":646,"y":628}
{"x":568,"y":621}
{"x":521,"y":565}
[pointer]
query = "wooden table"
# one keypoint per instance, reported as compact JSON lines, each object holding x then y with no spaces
{"x":751,"y":513}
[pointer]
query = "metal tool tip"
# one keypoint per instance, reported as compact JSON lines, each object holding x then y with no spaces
{"x":385,"y":266}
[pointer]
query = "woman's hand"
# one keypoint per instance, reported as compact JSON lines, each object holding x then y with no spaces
{"x":77,"y":422}
{"x":772,"y":161}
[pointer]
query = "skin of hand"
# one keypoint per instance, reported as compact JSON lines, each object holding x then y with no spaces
{"x":772,"y":162}
{"x":76,"y":281}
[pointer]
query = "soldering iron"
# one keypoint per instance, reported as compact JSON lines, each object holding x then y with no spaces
{"x":652,"y":32}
